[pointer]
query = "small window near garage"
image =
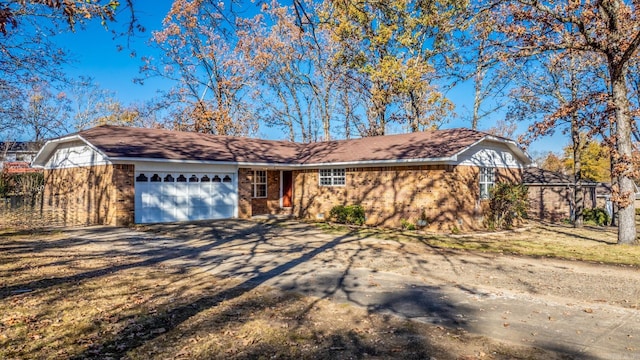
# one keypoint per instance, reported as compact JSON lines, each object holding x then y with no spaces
{"x":193,"y":178}
{"x":156,"y":178}
{"x":487,"y":180}
{"x":205,"y":179}
{"x":332,"y":177}
{"x":259,"y":184}
{"x":169,"y":178}
{"x":181,"y":178}
{"x":226,"y":179}
{"x":216,"y":178}
{"x":142,"y":178}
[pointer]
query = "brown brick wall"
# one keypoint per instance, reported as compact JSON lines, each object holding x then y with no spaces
{"x":248,"y":205}
{"x":124,"y":180}
{"x":245,"y":193}
{"x":447,"y":196}
{"x":98,"y":195}
{"x":553,"y":203}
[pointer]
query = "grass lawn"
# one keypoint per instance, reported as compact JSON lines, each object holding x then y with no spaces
{"x":57,"y":302}
{"x":590,"y":243}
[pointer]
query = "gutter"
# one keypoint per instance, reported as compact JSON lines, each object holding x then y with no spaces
{"x":365,"y":163}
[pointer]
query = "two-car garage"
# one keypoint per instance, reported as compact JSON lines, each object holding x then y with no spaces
{"x":112,"y":175}
{"x":168,"y":196}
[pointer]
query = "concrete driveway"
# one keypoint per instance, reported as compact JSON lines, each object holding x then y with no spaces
{"x":575,"y":308}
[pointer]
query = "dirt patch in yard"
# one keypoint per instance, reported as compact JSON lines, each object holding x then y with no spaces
{"x":66,"y":297}
{"x":550,"y":260}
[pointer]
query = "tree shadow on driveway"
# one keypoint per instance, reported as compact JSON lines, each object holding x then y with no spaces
{"x":288,"y":258}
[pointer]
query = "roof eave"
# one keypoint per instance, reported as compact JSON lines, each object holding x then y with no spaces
{"x":41,"y":158}
{"x":512,"y":145}
{"x":39,"y":161}
{"x":363,"y":163}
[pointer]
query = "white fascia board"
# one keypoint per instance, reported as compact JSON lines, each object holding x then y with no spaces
{"x":48,"y":148}
{"x":131,"y":160}
{"x":447,"y":160}
{"x":366,"y":163}
{"x":522,"y":154}
{"x":128,"y":160}
{"x":512,"y":145}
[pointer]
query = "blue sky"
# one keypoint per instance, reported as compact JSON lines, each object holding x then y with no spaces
{"x":95,"y":55}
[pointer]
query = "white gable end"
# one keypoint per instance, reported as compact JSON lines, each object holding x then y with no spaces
{"x":487,"y":154}
{"x":75,"y":154}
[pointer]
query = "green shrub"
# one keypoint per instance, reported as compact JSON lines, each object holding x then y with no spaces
{"x":507,"y":204}
{"x":407,"y":225}
{"x":597,"y":216}
{"x":350,"y":214}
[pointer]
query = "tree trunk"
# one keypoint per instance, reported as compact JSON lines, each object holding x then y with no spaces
{"x":326,"y":116}
{"x":477,"y":90}
{"x":626,"y":200}
{"x":578,"y":196}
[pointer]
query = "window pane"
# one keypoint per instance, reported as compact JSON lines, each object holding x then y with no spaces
{"x":332,"y":177}
{"x":259,"y":183}
{"x":487,"y":179}
{"x":261,"y":190}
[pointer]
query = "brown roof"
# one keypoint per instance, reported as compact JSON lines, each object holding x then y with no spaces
{"x":538,"y":176}
{"x":137,"y":143}
{"x":18,"y":167}
{"x":128,"y":142}
{"x":433,"y":144}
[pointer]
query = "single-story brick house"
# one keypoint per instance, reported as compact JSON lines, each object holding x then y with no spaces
{"x":123,"y":175}
{"x":551,"y":194}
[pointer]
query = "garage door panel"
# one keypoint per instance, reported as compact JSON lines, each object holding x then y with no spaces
{"x":150,"y":200}
{"x":169,"y":197}
{"x":222,"y":212}
{"x":200,"y":213}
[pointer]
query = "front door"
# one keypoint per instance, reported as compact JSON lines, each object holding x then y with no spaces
{"x":287,"y":189}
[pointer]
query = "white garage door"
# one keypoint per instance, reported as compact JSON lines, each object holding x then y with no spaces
{"x":168,"y":197}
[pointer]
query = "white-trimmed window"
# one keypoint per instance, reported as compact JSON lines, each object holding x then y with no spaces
{"x":487,"y":180}
{"x":333,"y":177}
{"x":259,"y":183}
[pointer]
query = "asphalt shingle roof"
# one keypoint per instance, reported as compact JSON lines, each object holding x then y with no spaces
{"x":128,"y":142}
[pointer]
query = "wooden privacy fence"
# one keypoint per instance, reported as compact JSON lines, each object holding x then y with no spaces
{"x":26,"y":212}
